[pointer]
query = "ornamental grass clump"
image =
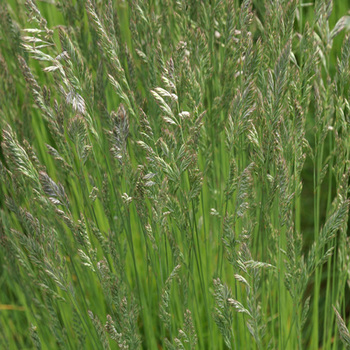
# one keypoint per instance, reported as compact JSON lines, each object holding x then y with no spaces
{"x":174,"y":174}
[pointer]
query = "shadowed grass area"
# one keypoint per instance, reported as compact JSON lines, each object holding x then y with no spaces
{"x":174,"y":174}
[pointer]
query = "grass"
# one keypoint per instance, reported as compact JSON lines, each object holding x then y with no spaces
{"x":174,"y":174}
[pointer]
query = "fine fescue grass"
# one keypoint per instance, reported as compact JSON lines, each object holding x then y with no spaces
{"x":174,"y":174}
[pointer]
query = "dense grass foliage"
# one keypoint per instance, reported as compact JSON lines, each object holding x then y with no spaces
{"x":174,"y":174}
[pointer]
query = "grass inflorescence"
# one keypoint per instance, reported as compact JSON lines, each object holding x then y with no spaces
{"x":174,"y":174}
